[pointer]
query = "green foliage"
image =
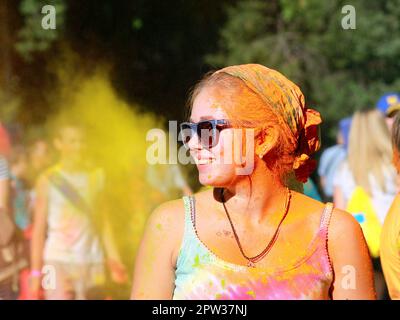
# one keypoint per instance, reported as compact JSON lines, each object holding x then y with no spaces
{"x":32,"y":37}
{"x":339,"y":70}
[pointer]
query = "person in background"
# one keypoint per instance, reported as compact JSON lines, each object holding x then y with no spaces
{"x":365,"y":184}
{"x":388,"y":104}
{"x":40,"y":157}
{"x":7,"y":231}
{"x":390,"y":237}
{"x":20,"y":207}
{"x":19,"y":188}
{"x":332,"y":157}
{"x":5,"y":141}
{"x":66,"y":211}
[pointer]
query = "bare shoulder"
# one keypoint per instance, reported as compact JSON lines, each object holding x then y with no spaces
{"x":309,"y":207}
{"x":168,"y":217}
{"x":166,"y":226}
{"x":343,"y":226}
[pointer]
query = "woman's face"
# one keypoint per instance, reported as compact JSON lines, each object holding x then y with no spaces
{"x":217,"y":165}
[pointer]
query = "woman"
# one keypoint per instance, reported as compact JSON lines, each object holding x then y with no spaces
{"x":250,"y":237}
{"x":390,"y":241}
{"x":366,"y":188}
{"x":369,"y":139}
{"x":7,"y":232}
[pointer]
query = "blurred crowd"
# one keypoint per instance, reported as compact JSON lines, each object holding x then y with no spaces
{"x":49,"y":199}
{"x":56,"y":242}
{"x":358,"y":174}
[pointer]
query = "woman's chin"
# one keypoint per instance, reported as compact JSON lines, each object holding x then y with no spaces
{"x":210,"y":179}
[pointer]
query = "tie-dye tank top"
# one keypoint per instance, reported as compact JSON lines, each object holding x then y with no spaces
{"x":200,"y":274}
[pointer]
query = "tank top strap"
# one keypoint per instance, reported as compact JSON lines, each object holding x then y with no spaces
{"x":190,"y":246}
{"x":189,"y":235}
{"x":324,"y":230}
{"x":326,"y":217}
{"x":188,"y":202}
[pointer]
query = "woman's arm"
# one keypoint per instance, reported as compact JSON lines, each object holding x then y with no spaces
{"x":154,"y":273}
{"x":4,"y":184}
{"x":38,"y":234}
{"x":353,"y":273}
{"x":113,"y":258}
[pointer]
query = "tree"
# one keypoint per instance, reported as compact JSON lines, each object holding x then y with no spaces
{"x":338,"y":70}
{"x":32,"y":37}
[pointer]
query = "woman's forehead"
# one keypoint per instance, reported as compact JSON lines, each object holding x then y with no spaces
{"x":207,"y":106}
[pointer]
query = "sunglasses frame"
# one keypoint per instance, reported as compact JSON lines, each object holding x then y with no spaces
{"x":196,"y":128}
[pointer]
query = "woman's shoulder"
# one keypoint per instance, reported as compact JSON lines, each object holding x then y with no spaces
{"x":168,"y":213}
{"x":175,"y":209}
{"x":306,"y":204}
{"x":339,"y":220}
{"x":344,"y":231}
{"x":166,"y":224}
{"x":343,"y":223}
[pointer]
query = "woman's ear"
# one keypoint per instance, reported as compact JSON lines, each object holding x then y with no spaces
{"x":266,"y":141}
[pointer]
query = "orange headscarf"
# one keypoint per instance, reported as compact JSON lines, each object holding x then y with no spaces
{"x":287,"y":102}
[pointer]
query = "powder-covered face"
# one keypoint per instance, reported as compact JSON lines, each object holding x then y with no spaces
{"x":71,"y":144}
{"x":217,"y":166}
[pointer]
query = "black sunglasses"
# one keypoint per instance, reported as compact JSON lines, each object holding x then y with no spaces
{"x":207,"y":131}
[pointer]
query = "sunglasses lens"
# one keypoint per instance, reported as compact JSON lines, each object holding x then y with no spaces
{"x":207,"y":133}
{"x":186,"y":133}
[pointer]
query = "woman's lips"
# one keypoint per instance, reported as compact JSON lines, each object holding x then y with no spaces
{"x":204,"y":161}
{"x":204,"y":164}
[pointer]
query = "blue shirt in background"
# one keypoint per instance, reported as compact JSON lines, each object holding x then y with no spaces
{"x":330,"y":160}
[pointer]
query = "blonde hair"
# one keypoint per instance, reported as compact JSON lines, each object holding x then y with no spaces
{"x":370,"y":149}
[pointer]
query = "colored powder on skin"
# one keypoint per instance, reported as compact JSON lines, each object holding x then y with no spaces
{"x":196,"y":261}
{"x":216,"y":106}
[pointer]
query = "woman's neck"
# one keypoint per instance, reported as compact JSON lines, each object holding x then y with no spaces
{"x":259,"y":196}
